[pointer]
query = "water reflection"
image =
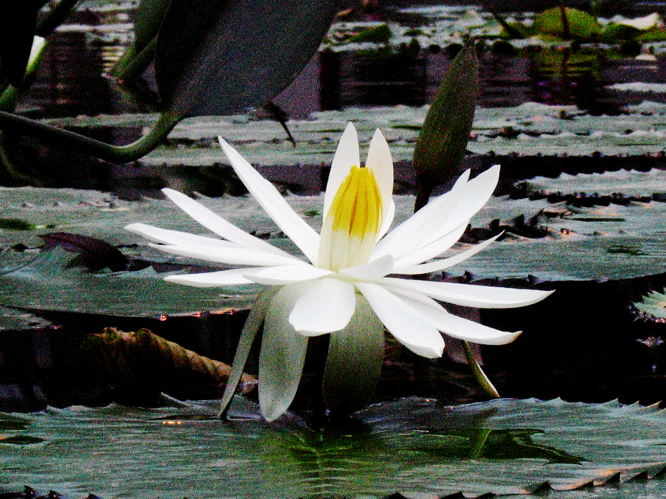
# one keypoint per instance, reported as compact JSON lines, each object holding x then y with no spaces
{"x":71,"y":81}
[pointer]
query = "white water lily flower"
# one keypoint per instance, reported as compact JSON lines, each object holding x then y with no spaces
{"x":349,"y":265}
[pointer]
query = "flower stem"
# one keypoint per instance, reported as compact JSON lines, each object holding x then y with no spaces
{"x":480,"y":376}
{"x":113,"y":154}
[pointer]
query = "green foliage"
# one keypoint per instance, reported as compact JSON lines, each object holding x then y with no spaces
{"x":18,"y":21}
{"x":616,"y":32}
{"x":376,"y":34}
{"x":580,"y":25}
{"x":216,"y":58}
{"x":653,"y":305}
{"x":49,"y":282}
{"x":416,"y":447}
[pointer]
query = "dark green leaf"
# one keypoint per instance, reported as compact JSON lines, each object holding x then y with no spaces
{"x":49,"y":283}
{"x":219,"y":57}
{"x":96,"y":254}
{"x":18,"y":20}
{"x":414,"y":447}
{"x":149,"y":16}
{"x":376,"y":34}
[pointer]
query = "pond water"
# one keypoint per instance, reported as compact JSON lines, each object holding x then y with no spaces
{"x":360,"y":81}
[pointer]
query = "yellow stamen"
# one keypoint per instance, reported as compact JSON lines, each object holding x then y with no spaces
{"x":350,"y":230}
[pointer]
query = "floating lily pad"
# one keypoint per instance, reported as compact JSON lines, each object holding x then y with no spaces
{"x":49,"y":282}
{"x":19,"y":320}
{"x":529,"y":129}
{"x":415,"y":447}
{"x":653,"y":305}
{"x":625,"y":182}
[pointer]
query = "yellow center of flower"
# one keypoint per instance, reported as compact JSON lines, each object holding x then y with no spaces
{"x":351,"y":226}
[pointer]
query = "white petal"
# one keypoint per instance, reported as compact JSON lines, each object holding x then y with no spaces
{"x":217,"y":224}
{"x":381,"y":164}
{"x":445,"y":263}
{"x":460,"y":328}
{"x":469,"y":295}
{"x":326,"y":306}
{"x":282,"y":355}
{"x":476,"y":194}
{"x":346,"y":155}
{"x":417,"y":230}
{"x":407,"y":325}
{"x":265,"y":193}
{"x":286,"y":274}
{"x":370,"y":271}
{"x":433,"y":249}
{"x":232,"y":277}
{"x":441,"y":217}
{"x":166,"y":236}
{"x":387,"y":220}
{"x":231,"y":256}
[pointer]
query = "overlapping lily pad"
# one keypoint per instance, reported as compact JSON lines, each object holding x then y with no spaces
{"x":529,"y":129}
{"x":416,"y":447}
{"x":50,"y":282}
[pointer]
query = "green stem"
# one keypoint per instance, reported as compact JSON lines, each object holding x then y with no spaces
{"x":480,"y":376}
{"x":512,"y":31}
{"x":55,"y":17}
{"x":132,"y":64}
{"x":107,"y":152}
{"x":566,"y":29}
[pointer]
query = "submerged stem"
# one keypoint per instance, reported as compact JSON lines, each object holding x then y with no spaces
{"x":114,"y":154}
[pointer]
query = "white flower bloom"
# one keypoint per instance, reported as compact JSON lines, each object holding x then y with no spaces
{"x":350,"y":263}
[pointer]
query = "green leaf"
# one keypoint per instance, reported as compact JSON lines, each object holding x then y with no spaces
{"x":19,"y":320}
{"x":219,"y":57}
{"x":354,"y":362}
{"x":653,"y":305}
{"x":50,"y":283}
{"x":149,"y":17}
{"x":18,"y":20}
{"x":9,"y":98}
{"x":443,"y":139}
{"x":376,"y":34}
{"x":581,"y":24}
{"x":415,"y":447}
{"x":619,"y":32}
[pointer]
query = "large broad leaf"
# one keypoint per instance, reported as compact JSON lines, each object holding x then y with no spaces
{"x":18,"y":20}
{"x":581,"y":25}
{"x":529,"y":129}
{"x":19,"y":320}
{"x":416,"y":447}
{"x":218,"y":57}
{"x":149,"y":16}
{"x":580,"y":243}
{"x":51,"y":283}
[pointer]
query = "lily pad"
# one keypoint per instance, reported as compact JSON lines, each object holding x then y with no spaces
{"x":49,"y":282}
{"x":19,"y":320}
{"x":415,"y":447}
{"x":629,"y":183}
